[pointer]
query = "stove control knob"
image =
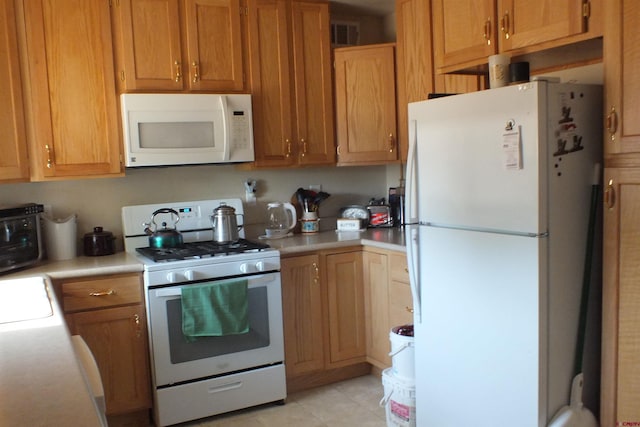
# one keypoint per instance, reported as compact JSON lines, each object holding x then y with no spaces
{"x":244,"y":268}
{"x":260,"y":266}
{"x":188,"y":274}
{"x":171,"y":277}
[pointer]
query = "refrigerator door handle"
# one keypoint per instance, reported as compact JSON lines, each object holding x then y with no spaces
{"x":411,"y":175}
{"x":412,"y":215}
{"x":413,"y":264}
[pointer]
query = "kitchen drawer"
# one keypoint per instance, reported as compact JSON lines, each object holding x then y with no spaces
{"x":400,"y":303}
{"x":99,"y":292}
{"x":399,"y":269}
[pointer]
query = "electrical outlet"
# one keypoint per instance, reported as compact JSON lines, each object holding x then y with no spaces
{"x":316,"y":187}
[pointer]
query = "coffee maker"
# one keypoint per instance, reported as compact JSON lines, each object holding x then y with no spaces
{"x":396,"y":201}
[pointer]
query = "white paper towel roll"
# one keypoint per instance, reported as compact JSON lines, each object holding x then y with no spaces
{"x":60,"y":237}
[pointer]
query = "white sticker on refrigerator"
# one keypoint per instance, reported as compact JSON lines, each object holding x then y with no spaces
{"x":512,"y":150}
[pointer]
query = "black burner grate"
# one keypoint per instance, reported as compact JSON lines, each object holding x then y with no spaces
{"x":207,"y":249}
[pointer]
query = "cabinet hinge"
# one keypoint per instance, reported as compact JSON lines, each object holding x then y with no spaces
{"x":586,"y":9}
{"x":114,"y":3}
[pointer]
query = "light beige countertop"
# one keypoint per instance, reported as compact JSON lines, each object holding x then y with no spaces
{"x":82,"y":266}
{"x":41,"y":381}
{"x":122,"y":262}
{"x":384,"y":238}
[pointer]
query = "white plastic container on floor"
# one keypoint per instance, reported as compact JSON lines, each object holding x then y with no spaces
{"x":402,"y":354}
{"x":399,"y":400}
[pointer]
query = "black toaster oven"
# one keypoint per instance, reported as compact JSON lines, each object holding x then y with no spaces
{"x":20,"y":236}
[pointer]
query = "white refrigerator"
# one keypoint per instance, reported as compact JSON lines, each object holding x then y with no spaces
{"x":498,"y":190}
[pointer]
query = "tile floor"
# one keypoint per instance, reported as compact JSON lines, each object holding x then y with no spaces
{"x":349,"y":403}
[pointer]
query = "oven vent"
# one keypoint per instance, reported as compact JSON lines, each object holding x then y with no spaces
{"x":345,"y":33}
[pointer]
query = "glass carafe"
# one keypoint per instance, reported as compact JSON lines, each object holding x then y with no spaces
{"x":281,"y":218}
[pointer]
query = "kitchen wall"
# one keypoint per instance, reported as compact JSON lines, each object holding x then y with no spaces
{"x":97,"y":202}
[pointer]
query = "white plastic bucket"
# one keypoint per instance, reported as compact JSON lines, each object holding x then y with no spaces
{"x":402,"y":355}
{"x":399,"y":400}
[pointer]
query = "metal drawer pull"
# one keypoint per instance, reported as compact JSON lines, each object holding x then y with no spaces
{"x":103,"y":293}
{"x":225,"y":387}
{"x":409,"y":309}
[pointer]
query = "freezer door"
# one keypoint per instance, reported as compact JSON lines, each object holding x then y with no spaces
{"x":479,"y":162}
{"x":481,"y":344}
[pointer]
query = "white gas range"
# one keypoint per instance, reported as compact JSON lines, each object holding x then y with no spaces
{"x":221,"y":371}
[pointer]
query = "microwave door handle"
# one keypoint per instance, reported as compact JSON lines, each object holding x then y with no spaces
{"x":225,"y":123}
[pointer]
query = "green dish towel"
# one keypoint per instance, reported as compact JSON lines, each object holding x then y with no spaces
{"x":215,"y":309}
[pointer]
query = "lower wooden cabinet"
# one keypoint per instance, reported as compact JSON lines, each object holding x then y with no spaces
{"x":345,"y":295}
{"x":620,"y":387}
{"x":387,"y":296}
{"x":303,"y":307}
{"x":323,"y":314}
{"x":108,"y":312}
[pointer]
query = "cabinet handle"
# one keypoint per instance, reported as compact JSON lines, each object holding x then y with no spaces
{"x":392,"y":143}
{"x":288,"y":153}
{"x":49,"y":157}
{"x":610,"y":195}
{"x":338,"y":150}
{"x":103,"y":293}
{"x":409,"y":309}
{"x":178,"y":71}
{"x":136,"y":319}
{"x":487,"y":31}
{"x":196,"y":71}
{"x":316,"y":278}
{"x":504,"y":24}
{"x":612,"y":123}
{"x":304,"y":147}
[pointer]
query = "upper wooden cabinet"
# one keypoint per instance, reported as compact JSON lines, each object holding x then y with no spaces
{"x":173,"y":45}
{"x":366,"y":104}
{"x":73,"y":121}
{"x":291,"y":86}
{"x":14,"y":164}
{"x":414,"y":60}
{"x":466,"y":32}
{"x":622,"y":86}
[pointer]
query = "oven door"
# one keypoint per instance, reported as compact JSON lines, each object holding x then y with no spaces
{"x":175,"y":359}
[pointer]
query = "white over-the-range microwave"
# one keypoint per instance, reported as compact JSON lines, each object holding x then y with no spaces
{"x":184,"y":129}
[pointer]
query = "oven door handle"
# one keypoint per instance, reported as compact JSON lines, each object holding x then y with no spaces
{"x":176,"y":291}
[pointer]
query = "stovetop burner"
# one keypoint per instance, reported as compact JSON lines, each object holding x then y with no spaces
{"x":195,"y":250}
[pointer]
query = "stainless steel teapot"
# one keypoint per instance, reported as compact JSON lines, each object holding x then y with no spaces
{"x":225,"y":225}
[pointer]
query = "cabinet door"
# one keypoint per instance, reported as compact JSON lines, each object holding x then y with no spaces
{"x":117,"y":338}
{"x":313,"y":85}
{"x":414,"y":60}
{"x":620,"y":392}
{"x":366,"y":104}
{"x":148,"y":43}
{"x":622,"y":86}
{"x":214,"y":45}
{"x":268,"y":32}
{"x":525,"y":23}
{"x":464,"y":32}
{"x":69,"y":53}
{"x":376,"y":297}
{"x":13,"y":143}
{"x":345,"y":296}
{"x":302,"y":312}
{"x":400,"y":299}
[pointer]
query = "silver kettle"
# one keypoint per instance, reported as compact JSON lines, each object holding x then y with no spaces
{"x":225,"y":225}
